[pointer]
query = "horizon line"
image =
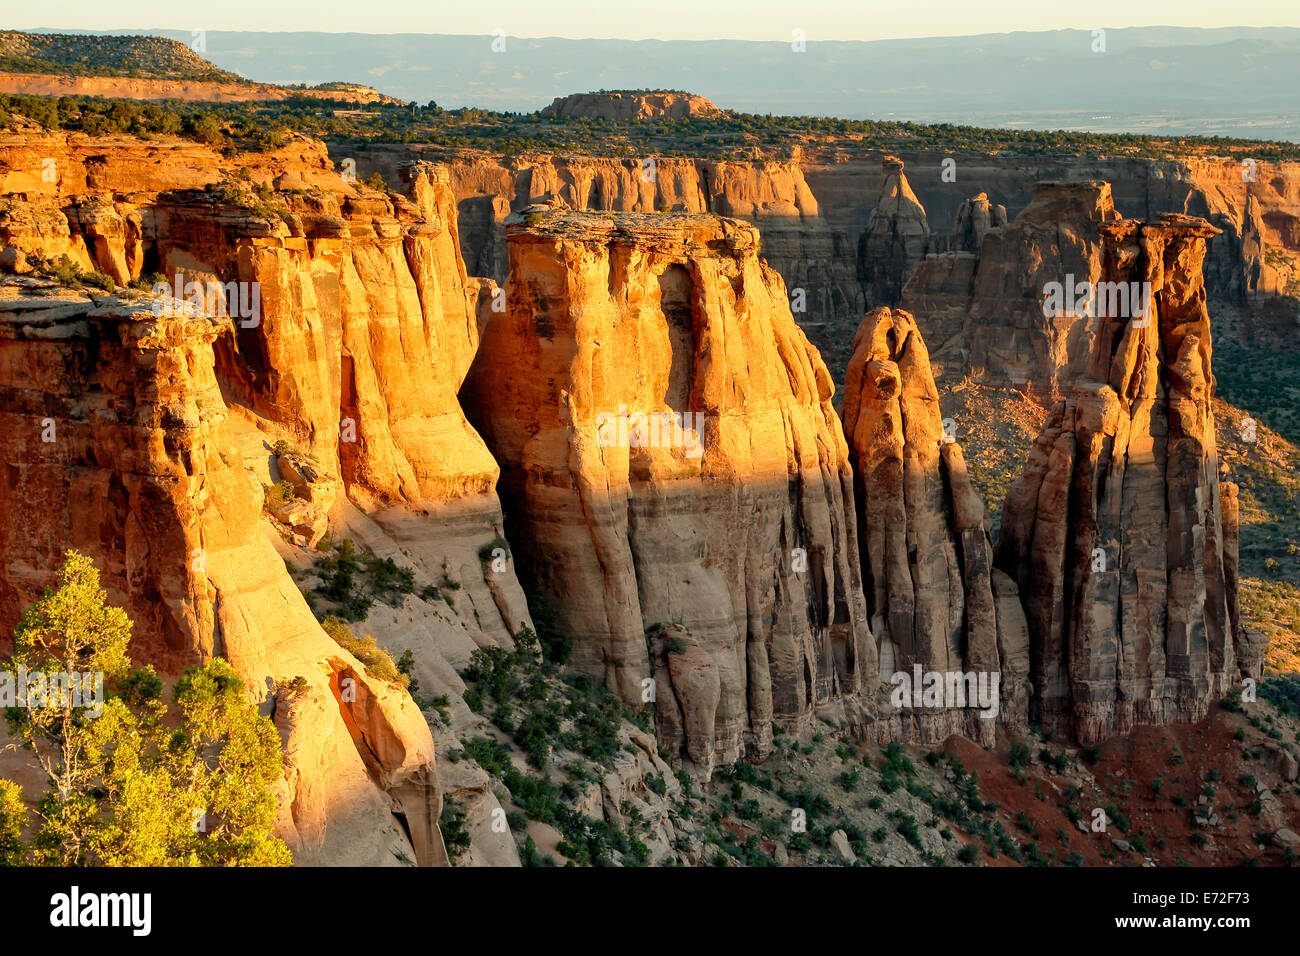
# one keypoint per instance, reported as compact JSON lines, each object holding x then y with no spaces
{"x":136,"y":31}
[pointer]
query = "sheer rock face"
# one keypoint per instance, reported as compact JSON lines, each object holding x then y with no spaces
{"x":367,"y":317}
{"x":895,"y":238}
{"x":1119,"y":533}
{"x":986,"y":314}
{"x":119,"y":445}
{"x":733,"y":545}
{"x":935,"y":600}
{"x":363,"y":330}
{"x":810,"y":252}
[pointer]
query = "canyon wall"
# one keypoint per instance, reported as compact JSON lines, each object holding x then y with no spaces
{"x":343,"y":325}
{"x":813,"y":211}
{"x":1119,"y":533}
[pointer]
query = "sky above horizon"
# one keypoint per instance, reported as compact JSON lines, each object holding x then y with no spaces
{"x":664,"y":19}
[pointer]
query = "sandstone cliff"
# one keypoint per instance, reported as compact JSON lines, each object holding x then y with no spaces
{"x":1119,"y":533}
{"x":366,"y":323}
{"x":809,"y":252}
{"x":834,"y":188}
{"x":895,"y":238}
{"x":347,"y":324}
{"x":987,"y":314}
{"x":710,"y":567}
{"x":120,"y":446}
{"x":934,"y":597}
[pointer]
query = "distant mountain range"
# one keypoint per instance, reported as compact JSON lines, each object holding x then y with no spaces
{"x":1236,"y":81}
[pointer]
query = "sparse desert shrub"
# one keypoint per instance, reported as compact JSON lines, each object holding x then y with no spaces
{"x":377,"y":661}
{"x":452,"y":824}
{"x":278,"y":495}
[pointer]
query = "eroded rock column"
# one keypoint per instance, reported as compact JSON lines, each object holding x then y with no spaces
{"x":1117,"y":531}
{"x":675,"y":476}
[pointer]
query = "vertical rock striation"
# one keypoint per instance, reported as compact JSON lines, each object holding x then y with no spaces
{"x":1119,"y":533}
{"x":716,"y":564}
{"x":936,"y":601}
{"x":342,"y":323}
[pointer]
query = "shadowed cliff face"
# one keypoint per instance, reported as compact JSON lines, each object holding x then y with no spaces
{"x":986,"y":314}
{"x":1120,"y":534}
{"x":711,"y":566}
{"x":935,"y":600}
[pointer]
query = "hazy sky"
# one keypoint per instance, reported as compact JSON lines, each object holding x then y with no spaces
{"x":652,"y":19}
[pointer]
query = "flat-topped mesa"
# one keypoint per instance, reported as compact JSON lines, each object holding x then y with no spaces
{"x":1119,"y":532}
{"x":990,"y":317}
{"x":937,"y":604}
{"x":676,"y":476}
{"x":631,"y":105}
{"x":118,"y":445}
{"x":895,"y":238}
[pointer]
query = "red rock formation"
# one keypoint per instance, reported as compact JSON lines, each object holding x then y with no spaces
{"x":1119,"y":533}
{"x":809,"y":252}
{"x":367,"y":324}
{"x":119,"y":446}
{"x":895,"y":238}
{"x":987,"y":316}
{"x":736,"y":535}
{"x":364,"y":328}
{"x":934,"y":597}
{"x":831,"y":186}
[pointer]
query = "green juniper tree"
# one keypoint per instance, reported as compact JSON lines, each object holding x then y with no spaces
{"x":131,"y":783}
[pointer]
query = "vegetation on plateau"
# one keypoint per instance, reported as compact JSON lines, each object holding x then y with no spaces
{"x":82,"y":55}
{"x":730,"y":135}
